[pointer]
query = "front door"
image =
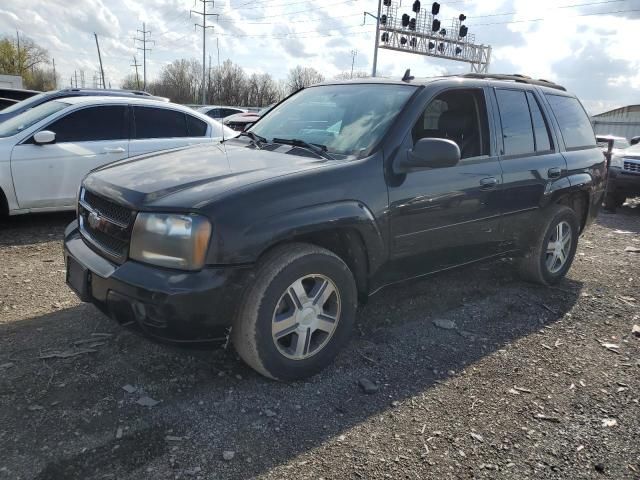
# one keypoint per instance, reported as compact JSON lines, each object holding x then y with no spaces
{"x":444,"y":217}
{"x":48,"y":176}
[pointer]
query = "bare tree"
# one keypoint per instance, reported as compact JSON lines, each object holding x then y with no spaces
{"x":180,"y":81}
{"x":30,"y":61}
{"x":301,"y":77}
{"x":348,"y":75}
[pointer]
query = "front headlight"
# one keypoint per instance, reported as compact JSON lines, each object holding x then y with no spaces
{"x":616,"y":161}
{"x":170,"y":240}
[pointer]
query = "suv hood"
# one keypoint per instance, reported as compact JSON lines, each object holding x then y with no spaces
{"x":188,"y":177}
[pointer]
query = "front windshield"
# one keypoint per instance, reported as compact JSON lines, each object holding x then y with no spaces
{"x":26,"y":104}
{"x":23,"y":121}
{"x":347,"y":119}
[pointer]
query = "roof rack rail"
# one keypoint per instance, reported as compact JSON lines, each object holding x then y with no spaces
{"x":516,"y":78}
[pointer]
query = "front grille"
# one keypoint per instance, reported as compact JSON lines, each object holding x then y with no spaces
{"x":105,"y":225}
{"x":633,"y":167}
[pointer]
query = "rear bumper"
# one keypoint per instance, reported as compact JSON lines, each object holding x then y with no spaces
{"x":621,"y":182}
{"x":166,"y":304}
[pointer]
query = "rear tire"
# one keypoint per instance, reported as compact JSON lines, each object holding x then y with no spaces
{"x":551,"y":254}
{"x":297,"y":314}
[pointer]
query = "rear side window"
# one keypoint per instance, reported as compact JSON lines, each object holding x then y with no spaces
{"x":575,"y":126}
{"x":196,"y":127}
{"x":91,"y":124}
{"x":159,"y":123}
{"x":517,"y":130}
{"x":540,"y":128}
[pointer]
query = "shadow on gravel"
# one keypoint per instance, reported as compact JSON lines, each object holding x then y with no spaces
{"x":214,"y":403}
{"x":34,"y":228}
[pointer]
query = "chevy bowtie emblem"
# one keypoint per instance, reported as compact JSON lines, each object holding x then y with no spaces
{"x":94,"y":220}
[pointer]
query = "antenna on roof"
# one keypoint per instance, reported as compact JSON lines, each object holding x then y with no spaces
{"x":407,"y":76}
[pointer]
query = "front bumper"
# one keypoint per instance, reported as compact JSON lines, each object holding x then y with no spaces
{"x":166,"y":304}
{"x":623,"y":182}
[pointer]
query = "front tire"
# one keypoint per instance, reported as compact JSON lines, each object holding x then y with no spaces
{"x":552,"y":252}
{"x":297,"y":314}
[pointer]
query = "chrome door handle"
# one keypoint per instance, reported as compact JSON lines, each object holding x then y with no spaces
{"x":113,"y":150}
{"x":488,"y":183}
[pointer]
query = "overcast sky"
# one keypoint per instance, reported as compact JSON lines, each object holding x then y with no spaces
{"x":589,"y":46}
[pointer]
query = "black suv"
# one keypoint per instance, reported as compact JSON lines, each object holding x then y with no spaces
{"x":270,"y":239}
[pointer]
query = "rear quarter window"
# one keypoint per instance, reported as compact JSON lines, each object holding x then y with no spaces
{"x":574,"y":123}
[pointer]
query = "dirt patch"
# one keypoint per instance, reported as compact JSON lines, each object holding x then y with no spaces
{"x":478,"y":375}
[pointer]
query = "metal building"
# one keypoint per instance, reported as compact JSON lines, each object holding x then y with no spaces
{"x":621,"y":122}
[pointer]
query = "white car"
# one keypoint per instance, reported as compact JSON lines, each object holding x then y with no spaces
{"x":45,"y":152}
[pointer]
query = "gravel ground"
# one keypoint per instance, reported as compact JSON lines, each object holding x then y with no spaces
{"x":477,"y":375}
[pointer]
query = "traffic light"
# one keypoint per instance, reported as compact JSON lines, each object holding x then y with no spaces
{"x":385,"y":37}
{"x":432,"y":45}
{"x":383,"y":20}
{"x":441,"y":47}
{"x":443,"y":32}
{"x":435,"y":8}
{"x":458,"y":50}
{"x":416,"y":6}
{"x":412,"y":24}
{"x":413,"y":42}
{"x":405,"y":20}
{"x":435,"y":26}
{"x":387,"y":3}
{"x":403,"y":40}
{"x":463,"y":31}
{"x":462,"y":17}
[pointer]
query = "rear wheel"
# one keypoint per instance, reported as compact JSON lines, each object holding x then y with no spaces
{"x":297,"y":314}
{"x":552,"y":253}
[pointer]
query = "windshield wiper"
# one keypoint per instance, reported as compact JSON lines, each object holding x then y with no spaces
{"x":257,"y":139}
{"x":316,"y":148}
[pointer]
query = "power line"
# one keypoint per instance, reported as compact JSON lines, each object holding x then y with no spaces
{"x":543,"y":19}
{"x":144,"y":49}
{"x":204,"y":27}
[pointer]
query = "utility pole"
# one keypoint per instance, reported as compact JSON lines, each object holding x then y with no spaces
{"x":99,"y":58}
{"x":19,"y":57}
{"x":82,"y":84}
{"x":55,"y":77}
{"x":136,"y":64}
{"x":75,"y":74}
{"x":144,"y":49}
{"x":353,"y":60}
{"x":375,"y":45}
{"x":209,"y":79}
{"x":204,"y":38}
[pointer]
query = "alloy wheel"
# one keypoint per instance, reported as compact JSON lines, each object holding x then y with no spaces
{"x":306,"y":317}
{"x":559,"y":247}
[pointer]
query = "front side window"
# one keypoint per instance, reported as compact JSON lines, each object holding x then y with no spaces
{"x":458,"y":115}
{"x":197,"y":128}
{"x":91,"y":124}
{"x":346,"y":119}
{"x":30,"y":117}
{"x":153,"y":122}
{"x":517,"y":130}
{"x":575,"y":127}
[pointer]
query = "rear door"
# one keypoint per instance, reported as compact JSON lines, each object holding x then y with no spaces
{"x":156,"y":128}
{"x":532,"y":165}
{"x":49,"y":175}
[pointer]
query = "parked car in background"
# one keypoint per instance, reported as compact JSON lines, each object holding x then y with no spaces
{"x":219,"y":112}
{"x":240,"y":121}
{"x":624,"y":177}
{"x":273,"y":239}
{"x":617,"y":143}
{"x":635,"y":140}
{"x":17,"y":94}
{"x":43,"y":97}
{"x":47,"y":150}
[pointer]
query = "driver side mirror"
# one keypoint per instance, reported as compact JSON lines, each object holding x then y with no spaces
{"x":44,"y":137}
{"x":429,"y":153}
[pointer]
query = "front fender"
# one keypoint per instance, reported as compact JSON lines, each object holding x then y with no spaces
{"x":314,"y":219}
